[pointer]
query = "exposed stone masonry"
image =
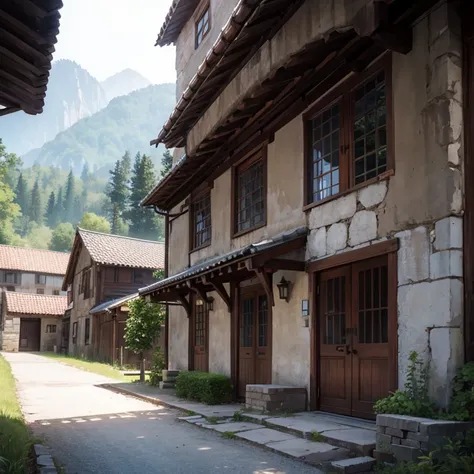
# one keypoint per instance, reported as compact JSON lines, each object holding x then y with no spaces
{"x":275,"y":398}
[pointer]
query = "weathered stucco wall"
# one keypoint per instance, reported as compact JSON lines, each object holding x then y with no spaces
{"x":81,"y":308}
{"x":178,"y":339}
{"x":313,"y":19}
{"x":189,"y":58}
{"x":421,"y":204}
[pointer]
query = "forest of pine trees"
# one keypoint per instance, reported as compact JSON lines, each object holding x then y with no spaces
{"x":41,"y":207}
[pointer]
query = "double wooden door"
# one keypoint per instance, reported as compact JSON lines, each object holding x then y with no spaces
{"x":356,"y":319}
{"x":30,"y":334}
{"x":255,"y":340}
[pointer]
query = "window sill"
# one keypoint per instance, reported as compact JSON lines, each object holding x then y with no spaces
{"x":199,"y":248}
{"x":381,"y":177}
{"x":246,"y":231}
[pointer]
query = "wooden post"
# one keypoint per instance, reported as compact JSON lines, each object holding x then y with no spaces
{"x":114,"y":338}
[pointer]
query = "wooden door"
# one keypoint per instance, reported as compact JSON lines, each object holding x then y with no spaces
{"x":200,"y":337}
{"x":255,"y":341}
{"x":355,"y":364}
{"x":30,"y":333}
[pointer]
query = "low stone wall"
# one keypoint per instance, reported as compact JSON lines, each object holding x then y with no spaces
{"x":275,"y":398}
{"x":406,"y":438}
{"x":10,"y":339}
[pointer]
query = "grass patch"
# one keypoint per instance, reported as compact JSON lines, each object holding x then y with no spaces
{"x":15,"y":440}
{"x":238,"y":416}
{"x":212,"y":420}
{"x":190,"y":413}
{"x":229,"y":435}
{"x":99,"y":368}
{"x":316,"y":436}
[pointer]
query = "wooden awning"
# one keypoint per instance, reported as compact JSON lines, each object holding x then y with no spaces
{"x":257,"y":260}
{"x":288,"y":91}
{"x":28,"y":31}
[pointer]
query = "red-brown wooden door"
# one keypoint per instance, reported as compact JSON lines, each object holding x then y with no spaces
{"x":255,"y":343}
{"x":356,"y":366}
{"x":201,"y":337}
{"x":30,"y":333}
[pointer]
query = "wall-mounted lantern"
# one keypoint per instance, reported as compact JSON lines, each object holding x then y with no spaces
{"x":199,"y":302}
{"x":284,"y":289}
{"x":210,"y":303}
{"x":304,"y":308}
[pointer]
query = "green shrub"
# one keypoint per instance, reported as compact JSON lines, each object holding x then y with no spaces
{"x":462,"y":401}
{"x":205,"y":387}
{"x":157,"y":366}
{"x":414,"y":400}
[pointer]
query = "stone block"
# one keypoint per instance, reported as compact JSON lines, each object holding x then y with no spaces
{"x":402,"y":422}
{"x":316,"y":246}
{"x":373,"y":195}
{"x":382,"y":456}
{"x":354,"y":465}
{"x":448,"y":233}
{"x":444,"y":428}
{"x":446,"y":263}
{"x":333,"y":211}
{"x":381,"y":429}
{"x":405,"y":453}
{"x":413,"y":255}
{"x":418,"y":437}
{"x":410,"y":442}
{"x":383,"y":441}
{"x":394,"y":432}
{"x":336,"y":237}
{"x":363,"y":228}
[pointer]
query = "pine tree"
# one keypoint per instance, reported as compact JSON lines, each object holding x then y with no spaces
{"x":21,"y":194}
{"x":69,"y":199}
{"x":143,"y":222}
{"x":77,"y":210}
{"x":51,"y":220}
{"x":117,"y":188}
{"x":36,"y":210}
{"x":85,"y":175}
{"x":59,"y":207}
{"x":166,"y":163}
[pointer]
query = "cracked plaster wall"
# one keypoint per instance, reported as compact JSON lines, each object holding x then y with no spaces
{"x":421,"y":204}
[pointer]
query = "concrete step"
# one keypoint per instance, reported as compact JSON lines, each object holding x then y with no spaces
{"x":167,"y":385}
{"x":354,"y":465}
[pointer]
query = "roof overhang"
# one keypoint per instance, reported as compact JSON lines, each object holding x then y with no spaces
{"x":251,"y":24}
{"x":28,"y":31}
{"x":259,"y":260}
{"x":178,"y":15}
{"x":288,"y":91}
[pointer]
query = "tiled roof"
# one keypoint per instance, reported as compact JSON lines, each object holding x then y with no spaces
{"x":110,"y":249}
{"x":30,"y":303}
{"x":111,"y":304}
{"x":33,"y":260}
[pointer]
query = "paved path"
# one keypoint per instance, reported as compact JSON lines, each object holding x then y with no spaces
{"x":93,"y":430}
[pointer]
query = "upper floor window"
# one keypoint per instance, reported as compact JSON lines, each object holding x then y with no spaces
{"x":347,"y":139}
{"x":87,"y":331}
{"x":201,"y":220}
{"x":40,"y":279}
{"x":137,"y":275}
{"x":11,"y":277}
{"x":250,"y":193}
{"x":85,"y":285}
{"x":40,"y":291}
{"x":203,"y":25}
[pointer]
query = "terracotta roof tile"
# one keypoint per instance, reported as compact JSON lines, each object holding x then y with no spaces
{"x":110,"y":249}
{"x":30,"y":303}
{"x":33,"y":260}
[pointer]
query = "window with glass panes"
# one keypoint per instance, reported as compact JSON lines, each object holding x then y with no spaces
{"x":203,"y":25}
{"x":201,"y":221}
{"x":347,"y":139}
{"x":250,"y":194}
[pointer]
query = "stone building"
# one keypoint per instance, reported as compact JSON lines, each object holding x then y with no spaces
{"x":30,"y":322}
{"x":102,"y":268}
{"x":317,"y":213}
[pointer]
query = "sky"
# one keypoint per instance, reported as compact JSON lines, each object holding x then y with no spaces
{"x":108,"y":36}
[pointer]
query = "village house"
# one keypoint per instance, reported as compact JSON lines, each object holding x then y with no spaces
{"x":104,"y":268}
{"x":316,"y":206}
{"x":36,"y":272}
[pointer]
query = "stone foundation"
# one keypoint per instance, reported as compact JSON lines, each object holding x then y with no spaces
{"x":275,"y":398}
{"x":10,"y":335}
{"x":406,"y":438}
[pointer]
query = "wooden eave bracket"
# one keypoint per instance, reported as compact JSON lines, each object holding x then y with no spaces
{"x":185,"y":303}
{"x":219,"y":288}
{"x":200,"y":290}
{"x":372,"y":21}
{"x":264,"y":277}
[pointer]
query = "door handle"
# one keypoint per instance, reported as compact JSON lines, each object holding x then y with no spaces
{"x":343,"y":349}
{"x":261,"y":353}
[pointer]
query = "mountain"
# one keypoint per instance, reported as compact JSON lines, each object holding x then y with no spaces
{"x":127,"y":123}
{"x":123,"y":83}
{"x":72,"y":95}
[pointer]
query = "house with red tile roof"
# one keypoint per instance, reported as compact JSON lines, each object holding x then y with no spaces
{"x":29,"y":273}
{"x":103,"y":267}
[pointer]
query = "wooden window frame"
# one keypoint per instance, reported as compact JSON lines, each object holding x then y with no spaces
{"x":39,"y":277}
{"x":200,"y":194}
{"x":344,"y":94}
{"x":256,"y":155}
{"x":74,"y":332}
{"x":206,"y":8}
{"x":40,"y":291}
{"x":136,"y":279}
{"x":16,"y":278}
{"x":51,"y":328}
{"x":56,"y":292}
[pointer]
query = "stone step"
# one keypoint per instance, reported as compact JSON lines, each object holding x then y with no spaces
{"x":167,"y":385}
{"x":353,"y":465}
